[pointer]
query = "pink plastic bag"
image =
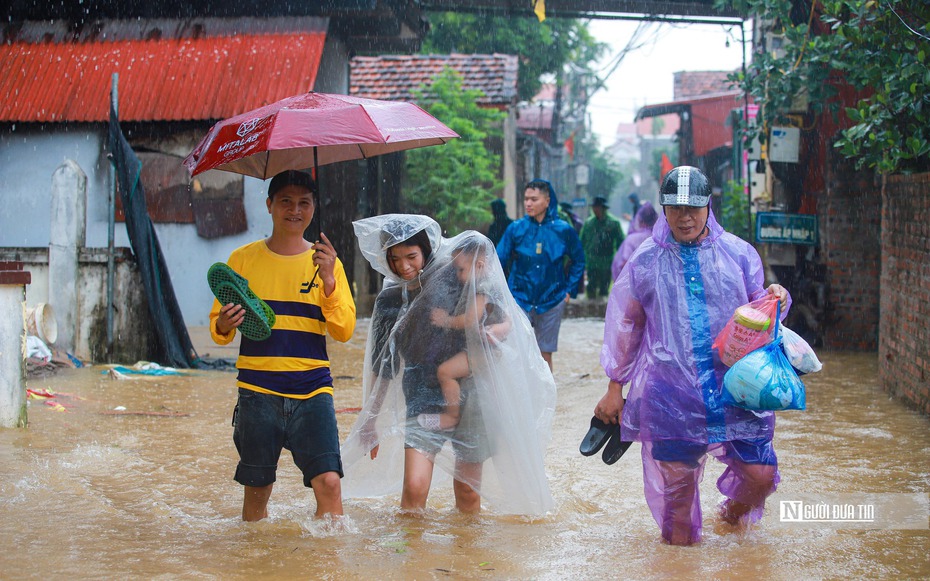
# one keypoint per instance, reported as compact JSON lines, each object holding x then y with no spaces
{"x":749,"y":328}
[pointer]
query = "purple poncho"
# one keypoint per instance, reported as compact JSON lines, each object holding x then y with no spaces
{"x":640,"y":230}
{"x":664,"y":312}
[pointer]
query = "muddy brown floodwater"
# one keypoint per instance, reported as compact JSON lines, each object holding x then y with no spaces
{"x":85,"y":493}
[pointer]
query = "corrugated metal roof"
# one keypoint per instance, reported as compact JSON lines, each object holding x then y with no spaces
{"x":394,"y":77}
{"x":159,"y":80}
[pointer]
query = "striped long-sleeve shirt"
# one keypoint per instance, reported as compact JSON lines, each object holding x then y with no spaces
{"x":293,"y":362}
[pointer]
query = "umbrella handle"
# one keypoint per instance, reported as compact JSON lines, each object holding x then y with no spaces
{"x":312,"y":280}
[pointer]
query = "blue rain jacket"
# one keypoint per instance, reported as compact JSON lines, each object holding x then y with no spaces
{"x":534,"y":254}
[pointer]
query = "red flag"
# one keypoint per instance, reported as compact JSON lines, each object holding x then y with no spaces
{"x":570,"y":145}
{"x":665,"y":166}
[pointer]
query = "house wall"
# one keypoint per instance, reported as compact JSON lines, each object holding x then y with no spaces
{"x":133,"y":337}
{"x":29,"y":155}
{"x":850,"y":234}
{"x":903,"y":352}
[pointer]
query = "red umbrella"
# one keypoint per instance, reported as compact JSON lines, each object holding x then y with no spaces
{"x":311,"y":130}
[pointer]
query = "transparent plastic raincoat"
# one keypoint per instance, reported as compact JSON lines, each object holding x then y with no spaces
{"x":507,"y":403}
{"x":664,"y":311}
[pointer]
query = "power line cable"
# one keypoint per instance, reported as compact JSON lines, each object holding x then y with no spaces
{"x":906,"y":25}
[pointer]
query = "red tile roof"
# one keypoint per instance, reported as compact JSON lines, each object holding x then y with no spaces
{"x":394,"y":78}
{"x":690,"y":84}
{"x":159,"y":80}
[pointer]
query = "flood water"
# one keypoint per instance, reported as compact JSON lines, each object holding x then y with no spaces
{"x":86,"y":493}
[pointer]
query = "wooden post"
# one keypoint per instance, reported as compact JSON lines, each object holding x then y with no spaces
{"x":13,"y":281}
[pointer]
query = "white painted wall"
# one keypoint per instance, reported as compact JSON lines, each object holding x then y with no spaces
{"x":12,"y":346}
{"x":29,"y":157}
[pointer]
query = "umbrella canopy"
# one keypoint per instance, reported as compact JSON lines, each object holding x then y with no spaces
{"x":311,"y":130}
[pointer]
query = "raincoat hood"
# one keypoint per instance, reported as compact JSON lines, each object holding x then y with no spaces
{"x":378,"y":233}
{"x":645,"y":218}
{"x":552,"y":212}
{"x":499,"y":209}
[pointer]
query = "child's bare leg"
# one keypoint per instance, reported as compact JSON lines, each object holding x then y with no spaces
{"x":449,"y":374}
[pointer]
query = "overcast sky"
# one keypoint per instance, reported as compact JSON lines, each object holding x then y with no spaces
{"x":645,"y":75}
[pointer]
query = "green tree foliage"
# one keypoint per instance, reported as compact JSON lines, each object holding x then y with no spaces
{"x":455,"y":183}
{"x":734,"y":212}
{"x":879,"y":47}
{"x":543,"y":47}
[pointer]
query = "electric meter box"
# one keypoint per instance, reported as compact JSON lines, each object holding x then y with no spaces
{"x":784,"y":144}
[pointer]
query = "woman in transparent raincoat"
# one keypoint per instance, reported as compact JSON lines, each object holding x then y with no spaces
{"x":495,"y":450}
{"x":670,"y":301}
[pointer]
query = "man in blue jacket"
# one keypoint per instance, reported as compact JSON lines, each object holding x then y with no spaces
{"x":545,"y":261}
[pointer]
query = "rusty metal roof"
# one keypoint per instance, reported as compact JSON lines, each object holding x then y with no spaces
{"x":710,"y":116}
{"x":159,"y":80}
{"x":394,"y":77}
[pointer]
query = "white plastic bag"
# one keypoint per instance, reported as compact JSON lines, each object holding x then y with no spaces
{"x":36,"y":349}
{"x":799,"y":352}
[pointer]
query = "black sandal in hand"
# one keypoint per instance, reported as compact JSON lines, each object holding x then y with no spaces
{"x":598,"y":435}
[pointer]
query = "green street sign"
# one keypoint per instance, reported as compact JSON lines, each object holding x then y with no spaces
{"x":779,"y":228}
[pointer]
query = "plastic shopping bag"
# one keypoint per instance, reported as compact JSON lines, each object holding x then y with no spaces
{"x":764,"y":380}
{"x":799,"y":352}
{"x":750,"y":327}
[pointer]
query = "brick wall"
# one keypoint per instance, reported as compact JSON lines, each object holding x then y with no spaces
{"x":850,"y":230}
{"x":904,"y":348}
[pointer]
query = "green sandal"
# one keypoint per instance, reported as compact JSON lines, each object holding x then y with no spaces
{"x":229,"y":287}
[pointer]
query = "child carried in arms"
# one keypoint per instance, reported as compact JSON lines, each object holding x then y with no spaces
{"x":482,"y":314}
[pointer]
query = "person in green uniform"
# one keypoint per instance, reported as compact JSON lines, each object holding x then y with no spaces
{"x":600,"y":238}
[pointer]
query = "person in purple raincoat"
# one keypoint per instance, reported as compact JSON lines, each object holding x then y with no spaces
{"x":675,"y":295}
{"x":640,"y":230}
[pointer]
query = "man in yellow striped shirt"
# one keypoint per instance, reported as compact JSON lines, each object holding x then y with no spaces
{"x":285,"y":385}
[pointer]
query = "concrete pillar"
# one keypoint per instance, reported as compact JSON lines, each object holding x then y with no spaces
{"x":13,"y":281}
{"x":68,"y":219}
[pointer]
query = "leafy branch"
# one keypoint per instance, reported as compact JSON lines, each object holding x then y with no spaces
{"x":456,"y":182}
{"x":878,"y":47}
